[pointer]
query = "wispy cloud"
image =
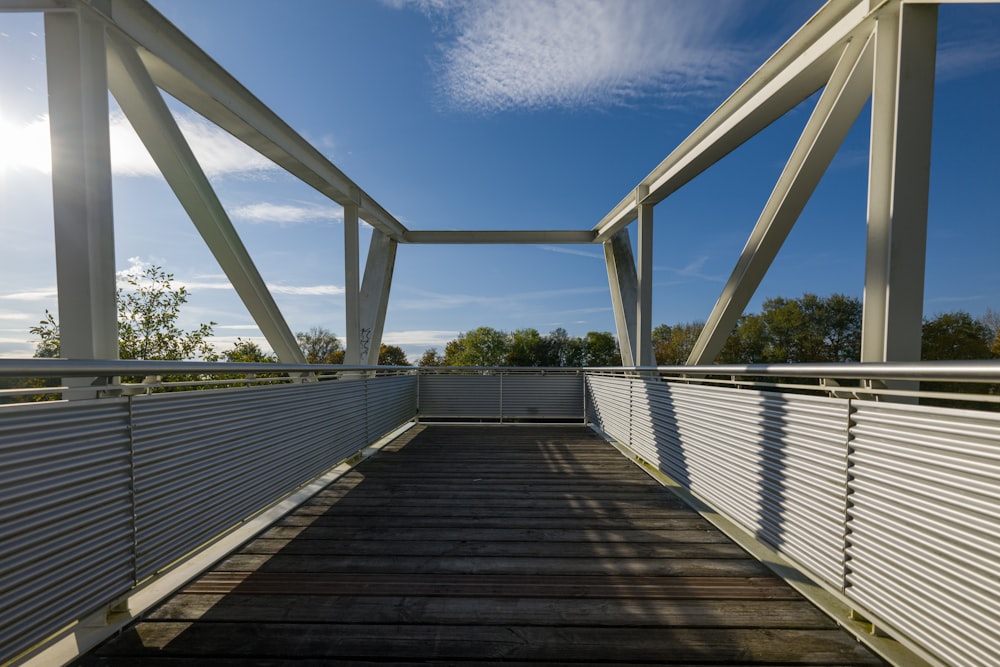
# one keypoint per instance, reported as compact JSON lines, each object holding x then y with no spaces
{"x":498,"y":55}
{"x":31,"y":295}
{"x":137,"y":267}
{"x":218,"y":152}
{"x":692,"y":269}
{"x":265,"y":212}
{"x":422,"y":299}
{"x":572,"y":251}
{"x":968,"y":57}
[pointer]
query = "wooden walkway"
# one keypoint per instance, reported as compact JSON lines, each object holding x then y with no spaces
{"x":461,"y":545}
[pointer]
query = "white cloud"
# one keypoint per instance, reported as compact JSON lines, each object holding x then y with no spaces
{"x":425,"y":337}
{"x":32,"y":295}
{"x":287,"y":213}
{"x":507,"y":54}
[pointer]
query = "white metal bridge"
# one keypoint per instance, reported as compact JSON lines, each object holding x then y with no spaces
{"x":116,"y":495}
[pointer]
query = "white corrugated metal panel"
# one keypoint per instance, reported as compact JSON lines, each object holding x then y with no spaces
{"x":66,"y":525}
{"x":924,"y":532}
{"x":608,"y":401}
{"x":774,"y":463}
{"x":457,"y":396}
{"x":554,"y":396}
{"x":222,"y":455}
{"x":392,"y":401}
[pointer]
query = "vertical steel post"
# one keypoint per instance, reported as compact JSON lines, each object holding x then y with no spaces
{"x":899,"y":179}
{"x":352,"y":286}
{"x":81,"y":186}
{"x":644,"y":307}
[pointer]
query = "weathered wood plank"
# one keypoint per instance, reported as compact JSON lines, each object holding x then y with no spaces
{"x":590,"y":644}
{"x":466,"y":545}
{"x":303,"y":545}
{"x":438,"y":610}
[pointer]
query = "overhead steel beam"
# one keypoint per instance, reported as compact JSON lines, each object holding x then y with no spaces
{"x":181,"y":68}
{"x":499,"y":237}
{"x":836,"y":112}
{"x":375,"y":295}
{"x":899,"y":180}
{"x":147,"y":112}
{"x":624,"y":285}
{"x":81,"y":186}
{"x":797,"y":70}
{"x":352,"y":286}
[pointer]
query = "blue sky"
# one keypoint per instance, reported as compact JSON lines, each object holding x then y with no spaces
{"x":500,"y":115}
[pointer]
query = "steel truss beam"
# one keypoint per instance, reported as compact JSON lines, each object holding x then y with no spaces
{"x":835,"y":113}
{"x":624,"y":284}
{"x":796,"y":71}
{"x":147,"y":112}
{"x":375,"y":294}
{"x":179,"y":67}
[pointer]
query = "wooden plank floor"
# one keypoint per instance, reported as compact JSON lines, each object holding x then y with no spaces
{"x":459,"y":544}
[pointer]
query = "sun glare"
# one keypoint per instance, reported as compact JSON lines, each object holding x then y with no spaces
{"x":25,"y":146}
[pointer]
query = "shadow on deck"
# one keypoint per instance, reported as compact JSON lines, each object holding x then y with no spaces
{"x":461,"y":544}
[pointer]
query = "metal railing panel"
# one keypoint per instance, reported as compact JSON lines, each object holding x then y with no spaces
{"x":924,"y":542}
{"x":460,"y":396}
{"x":608,"y":405}
{"x":774,"y":463}
{"x":207,"y":460}
{"x":552,"y":396}
{"x":391,"y":401}
{"x":66,"y":525}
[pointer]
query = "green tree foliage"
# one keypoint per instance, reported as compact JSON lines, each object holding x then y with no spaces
{"x":956,"y":336}
{"x":392,"y":355}
{"x":672,"y":345}
{"x":528,"y":348}
{"x":247,"y":351}
{"x":600,"y":348}
{"x":807,"y":329}
{"x":484,"y":346}
{"x":148,"y":309}
{"x":431,"y":357}
{"x":320,"y":346}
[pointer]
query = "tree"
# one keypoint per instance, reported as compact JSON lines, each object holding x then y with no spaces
{"x":956,"y":336}
{"x":148,"y":311}
{"x":601,"y":349}
{"x":247,"y":351}
{"x":320,"y":346}
{"x":484,"y":346}
{"x":392,"y":355}
{"x":564,"y":350}
{"x":431,"y":357}
{"x":672,"y":345}
{"x":527,"y":348}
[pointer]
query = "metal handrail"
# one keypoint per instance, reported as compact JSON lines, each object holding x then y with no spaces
{"x":951,"y":371}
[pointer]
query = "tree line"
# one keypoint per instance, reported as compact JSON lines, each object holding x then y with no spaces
{"x":149,"y":306}
{"x":810,"y":328}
